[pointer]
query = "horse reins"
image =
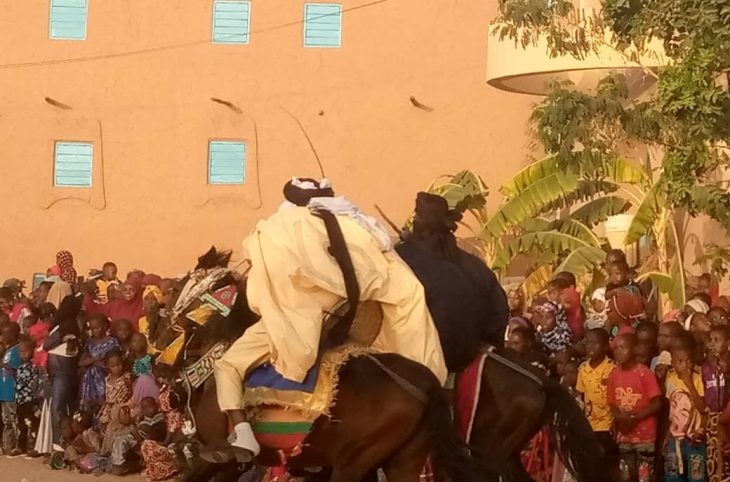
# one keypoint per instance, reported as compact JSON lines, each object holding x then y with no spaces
{"x":338,"y":250}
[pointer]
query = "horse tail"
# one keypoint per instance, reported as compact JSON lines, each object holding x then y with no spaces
{"x":450,"y":456}
{"x":575,"y":441}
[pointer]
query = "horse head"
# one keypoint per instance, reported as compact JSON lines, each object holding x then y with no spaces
{"x":208,"y":305}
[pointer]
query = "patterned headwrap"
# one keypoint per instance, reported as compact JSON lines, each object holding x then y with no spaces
{"x":559,"y":337}
{"x":65,"y":262}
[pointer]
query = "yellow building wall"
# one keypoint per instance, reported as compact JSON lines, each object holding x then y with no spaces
{"x":140,"y":88}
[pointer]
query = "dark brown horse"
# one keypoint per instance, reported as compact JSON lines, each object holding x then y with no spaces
{"x":390,"y":412}
{"x":380,"y":424}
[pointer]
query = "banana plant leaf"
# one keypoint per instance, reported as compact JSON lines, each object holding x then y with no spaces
{"x":599,"y":210}
{"x":617,"y":170}
{"x":582,"y":260}
{"x":530,"y":202}
{"x":552,"y":241}
{"x":587,"y":189}
{"x":576,"y":229}
{"x":672,"y":284}
{"x":527,"y":176}
{"x":646,"y":215}
{"x":536,"y":281}
{"x":625,"y":172}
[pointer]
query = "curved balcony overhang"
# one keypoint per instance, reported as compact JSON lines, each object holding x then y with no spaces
{"x":531,"y":70}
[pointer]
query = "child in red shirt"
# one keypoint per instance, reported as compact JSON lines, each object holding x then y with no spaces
{"x":635,"y":398}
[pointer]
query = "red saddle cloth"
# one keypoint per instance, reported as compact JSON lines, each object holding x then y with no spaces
{"x":467,"y":396}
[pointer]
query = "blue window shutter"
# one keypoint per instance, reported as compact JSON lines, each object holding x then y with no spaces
{"x":231,"y":22}
{"x":322,"y":25}
{"x":73,"y":164}
{"x":68,"y":19}
{"x":226,"y":162}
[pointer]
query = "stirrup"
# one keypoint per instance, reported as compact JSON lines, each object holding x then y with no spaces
{"x":227,"y":454}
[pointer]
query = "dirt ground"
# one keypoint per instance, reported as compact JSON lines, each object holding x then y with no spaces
{"x":22,"y":470}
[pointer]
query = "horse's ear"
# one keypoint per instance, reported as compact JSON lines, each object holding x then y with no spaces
{"x":224,"y":258}
{"x":208,"y":260}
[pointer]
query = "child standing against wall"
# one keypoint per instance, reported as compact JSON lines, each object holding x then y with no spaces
{"x":685,"y":450}
{"x":635,"y":398}
{"x":10,"y":363}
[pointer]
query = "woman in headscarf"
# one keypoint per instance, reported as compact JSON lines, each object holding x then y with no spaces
{"x":129,"y":306}
{"x":58,"y":290}
{"x":65,"y":262}
{"x":552,"y":325}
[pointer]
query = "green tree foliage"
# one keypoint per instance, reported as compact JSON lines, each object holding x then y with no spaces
{"x":685,"y":122}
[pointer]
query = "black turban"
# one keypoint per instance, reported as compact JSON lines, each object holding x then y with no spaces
{"x":301,"y":196}
{"x":433,"y":213}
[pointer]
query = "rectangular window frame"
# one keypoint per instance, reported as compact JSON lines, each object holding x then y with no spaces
{"x":244,"y":178}
{"x":307,"y":26}
{"x":51,"y":21}
{"x":213,"y":21}
{"x":56,"y":184}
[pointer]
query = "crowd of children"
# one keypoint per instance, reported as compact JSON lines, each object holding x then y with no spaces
{"x":80,"y":393}
{"x":653,"y":390}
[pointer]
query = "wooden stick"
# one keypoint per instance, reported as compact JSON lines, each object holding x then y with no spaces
{"x":387,"y":220}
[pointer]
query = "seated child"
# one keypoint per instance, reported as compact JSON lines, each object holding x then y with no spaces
{"x":125,"y":438}
{"x":145,"y":384}
{"x":83,"y":452}
{"x":118,"y":397}
{"x":158,"y":461}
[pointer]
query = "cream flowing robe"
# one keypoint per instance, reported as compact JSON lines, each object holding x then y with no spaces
{"x":293,"y":281}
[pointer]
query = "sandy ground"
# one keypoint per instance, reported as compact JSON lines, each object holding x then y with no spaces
{"x":21,"y":470}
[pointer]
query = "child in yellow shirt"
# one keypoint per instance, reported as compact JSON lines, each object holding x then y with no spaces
{"x":108,"y":283}
{"x":593,"y":384}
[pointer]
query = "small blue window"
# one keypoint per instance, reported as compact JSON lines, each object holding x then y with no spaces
{"x":230,"y":22}
{"x":322,"y":25}
{"x":226,"y":162}
{"x":73,"y":164}
{"x":68,"y":19}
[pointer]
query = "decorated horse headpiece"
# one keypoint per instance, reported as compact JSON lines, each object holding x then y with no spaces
{"x":199,"y":289}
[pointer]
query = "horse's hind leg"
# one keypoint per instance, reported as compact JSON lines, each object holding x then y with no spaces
{"x":516,"y":472}
{"x":407,"y":464}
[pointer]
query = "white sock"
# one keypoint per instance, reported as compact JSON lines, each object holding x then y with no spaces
{"x":245,"y":438}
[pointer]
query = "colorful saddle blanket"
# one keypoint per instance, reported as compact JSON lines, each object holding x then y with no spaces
{"x":467,"y":396}
{"x":314,"y":397}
